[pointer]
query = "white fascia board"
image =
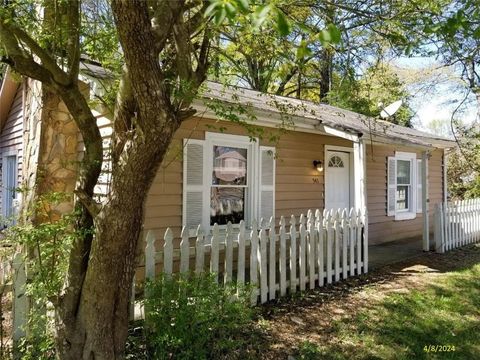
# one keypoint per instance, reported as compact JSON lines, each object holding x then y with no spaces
{"x":271,"y":119}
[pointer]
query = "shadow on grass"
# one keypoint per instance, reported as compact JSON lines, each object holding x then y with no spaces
{"x":404,"y":326}
{"x":446,"y":312}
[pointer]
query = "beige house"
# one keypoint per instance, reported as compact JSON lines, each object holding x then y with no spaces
{"x":300,"y":156}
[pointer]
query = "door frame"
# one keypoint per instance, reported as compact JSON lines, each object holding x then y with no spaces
{"x":345,"y":149}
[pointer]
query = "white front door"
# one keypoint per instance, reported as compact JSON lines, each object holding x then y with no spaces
{"x":337,"y":180}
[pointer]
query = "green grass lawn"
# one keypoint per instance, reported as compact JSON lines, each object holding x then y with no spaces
{"x":402,"y":326}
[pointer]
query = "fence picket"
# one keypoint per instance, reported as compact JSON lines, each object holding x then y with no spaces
{"x":168,"y":252}
{"x":320,"y":247}
{"x":330,"y":235}
{"x":311,"y":239}
{"x":293,"y":255}
{"x":214,"y":249}
{"x":228,"y":272}
{"x":184,"y":251}
{"x":241,"y":254}
{"x":364,"y":232}
{"x":358,"y":236}
{"x":262,"y":261}
{"x":351,"y":239}
{"x":283,"y":257}
{"x":200,"y":251}
{"x":344,"y":233}
{"x":150,"y":256}
{"x":336,"y":225}
{"x":302,"y":257}
{"x":272,"y":260}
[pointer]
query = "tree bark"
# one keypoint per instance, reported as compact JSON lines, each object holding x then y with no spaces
{"x":92,"y":313}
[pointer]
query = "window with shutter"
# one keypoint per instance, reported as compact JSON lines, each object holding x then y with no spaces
{"x":403,"y":190}
{"x":193,"y":183}
{"x":227,"y":178}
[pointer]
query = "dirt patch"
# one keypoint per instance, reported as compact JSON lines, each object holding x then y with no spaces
{"x":313,"y":315}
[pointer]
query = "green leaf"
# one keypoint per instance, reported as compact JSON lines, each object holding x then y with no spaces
{"x":330,"y":35}
{"x":260,"y":15}
{"x":303,"y":50}
{"x":335,"y":34}
{"x":243,"y":5}
{"x":283,"y":25}
{"x":220,"y":16}
{"x":210,"y":9}
{"x":231,"y":10}
{"x":476,"y":33}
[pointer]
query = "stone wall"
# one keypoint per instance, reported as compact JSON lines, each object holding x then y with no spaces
{"x":50,"y":143}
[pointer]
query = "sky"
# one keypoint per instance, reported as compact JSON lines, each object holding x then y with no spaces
{"x":434,"y":101}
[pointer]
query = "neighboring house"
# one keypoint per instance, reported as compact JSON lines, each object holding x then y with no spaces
{"x":326,"y":158}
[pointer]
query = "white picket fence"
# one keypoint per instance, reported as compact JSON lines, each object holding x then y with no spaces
{"x":319,"y":248}
{"x":456,"y":224}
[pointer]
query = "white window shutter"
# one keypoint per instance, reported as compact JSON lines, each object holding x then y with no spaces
{"x":419,"y":186}
{"x":391,"y":186}
{"x":193,"y":183}
{"x":267,"y":183}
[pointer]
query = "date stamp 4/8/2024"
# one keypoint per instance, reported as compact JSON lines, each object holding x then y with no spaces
{"x":438,"y":348}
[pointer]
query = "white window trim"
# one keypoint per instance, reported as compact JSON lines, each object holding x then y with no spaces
{"x":411,"y":213}
{"x":253,"y":151}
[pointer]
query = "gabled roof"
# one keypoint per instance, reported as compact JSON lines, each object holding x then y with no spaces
{"x":303,"y":114}
{"x":317,"y":115}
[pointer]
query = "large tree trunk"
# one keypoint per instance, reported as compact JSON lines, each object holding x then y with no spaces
{"x":92,"y":312}
{"x":100,"y":327}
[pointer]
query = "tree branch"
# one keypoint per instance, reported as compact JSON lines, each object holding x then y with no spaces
{"x":12,"y":33}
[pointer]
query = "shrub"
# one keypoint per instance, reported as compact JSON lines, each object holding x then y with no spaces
{"x":192,"y":317}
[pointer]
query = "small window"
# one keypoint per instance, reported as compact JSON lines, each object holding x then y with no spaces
{"x":403,"y":192}
{"x":404,"y":185}
{"x":335,"y":162}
